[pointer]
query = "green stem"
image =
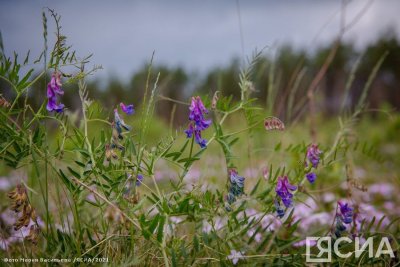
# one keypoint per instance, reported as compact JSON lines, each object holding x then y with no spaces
{"x":163,"y":247}
{"x":82,"y":88}
{"x":191,"y":147}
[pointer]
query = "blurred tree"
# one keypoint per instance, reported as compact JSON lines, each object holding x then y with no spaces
{"x":224,"y":80}
{"x":386,"y":86}
{"x":286,"y":71}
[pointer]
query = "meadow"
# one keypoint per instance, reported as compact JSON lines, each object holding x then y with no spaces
{"x":235,"y":185}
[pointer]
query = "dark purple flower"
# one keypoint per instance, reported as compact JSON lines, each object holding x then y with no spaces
{"x":279,"y":210}
{"x":283,"y":188}
{"x":236,"y":179}
{"x":346,"y":212}
{"x":119,"y":123}
{"x":54,"y":89}
{"x":189,"y":131}
{"x":339,"y":227}
{"x":197,"y":121}
{"x":235,"y":187}
{"x":197,"y":109}
{"x":129,"y":110}
{"x":139,"y":179}
{"x":313,"y":155}
{"x":311,"y":177}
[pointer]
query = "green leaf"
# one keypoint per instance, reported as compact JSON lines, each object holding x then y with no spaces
{"x":188,"y":159}
{"x":71,"y":186}
{"x":80,"y":164}
{"x":74,"y":173}
{"x":253,"y":191}
{"x":278,"y":146}
{"x":173,"y":154}
{"x":23,"y":83}
{"x":196,"y":243}
{"x":160,"y":232}
{"x":154,"y":223}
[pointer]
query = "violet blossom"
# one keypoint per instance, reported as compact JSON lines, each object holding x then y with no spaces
{"x":279,"y":209}
{"x":139,"y":179}
{"x":236,"y":186}
{"x":284,"y":191}
{"x":235,"y":256}
{"x":197,"y":121}
{"x":313,"y":155}
{"x":346,"y":212}
{"x":54,"y":89}
{"x":128,"y":109}
{"x":120,"y":124}
{"x":344,"y":216}
{"x":311,"y":177}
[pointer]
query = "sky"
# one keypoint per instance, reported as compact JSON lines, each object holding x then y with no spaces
{"x":196,"y":35}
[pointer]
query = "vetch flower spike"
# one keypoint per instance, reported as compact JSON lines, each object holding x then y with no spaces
{"x":119,"y":124}
{"x":279,"y":209}
{"x":343,"y":216}
{"x":235,"y":187}
{"x":139,"y":179}
{"x":311,"y":177}
{"x":128,"y":109}
{"x":339,"y":227}
{"x":346,"y":212}
{"x":197,"y":121}
{"x":117,"y":127}
{"x":54,"y":89}
{"x":284,"y":191}
{"x":313,"y":155}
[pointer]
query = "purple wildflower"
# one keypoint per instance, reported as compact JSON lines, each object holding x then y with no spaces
{"x":128,"y":109}
{"x":304,"y":242}
{"x":197,"y":121}
{"x":283,"y":188}
{"x":119,"y":123}
{"x":311,"y":177}
{"x":279,"y":210}
{"x":313,"y":155}
{"x":139,"y":179}
{"x":344,"y":216}
{"x":235,"y":187}
{"x":346,"y":212}
{"x":235,"y":256}
{"x":54,"y":89}
{"x":235,"y":178}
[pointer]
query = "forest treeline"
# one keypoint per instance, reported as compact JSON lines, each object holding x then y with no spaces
{"x":283,"y":75}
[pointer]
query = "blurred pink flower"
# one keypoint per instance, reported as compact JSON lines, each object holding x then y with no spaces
{"x":265,"y":172}
{"x":4,"y":243}
{"x":328,"y":197}
{"x":257,"y":237}
{"x":321,"y":219}
{"x":384,"y":189}
{"x":270,"y":222}
{"x":367,"y":212}
{"x":5,"y":183}
{"x":250,"y":173}
{"x":235,"y":256}
{"x":304,"y":242}
{"x":305,"y":208}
